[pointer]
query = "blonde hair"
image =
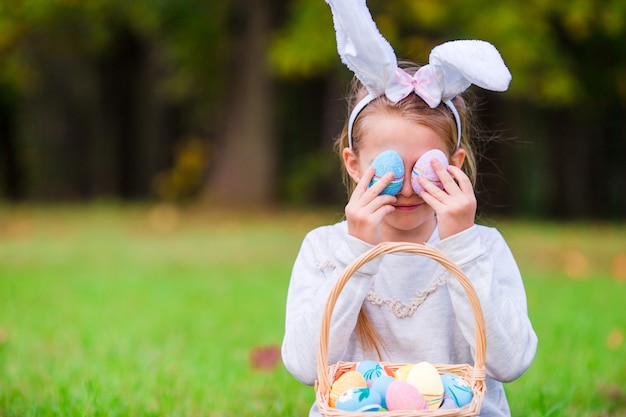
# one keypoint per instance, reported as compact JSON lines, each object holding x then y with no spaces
{"x":412,"y":108}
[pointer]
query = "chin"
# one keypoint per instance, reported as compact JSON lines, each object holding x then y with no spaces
{"x":407,"y":221}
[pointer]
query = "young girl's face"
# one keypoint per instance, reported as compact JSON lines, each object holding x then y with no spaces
{"x":412,"y":219}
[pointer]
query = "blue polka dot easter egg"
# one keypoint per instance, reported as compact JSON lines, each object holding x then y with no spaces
{"x":457,"y":391}
{"x":389,"y":161}
{"x":359,"y":399}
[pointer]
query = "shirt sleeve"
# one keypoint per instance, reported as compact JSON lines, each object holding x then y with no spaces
{"x":487,"y":261}
{"x":322,"y":258}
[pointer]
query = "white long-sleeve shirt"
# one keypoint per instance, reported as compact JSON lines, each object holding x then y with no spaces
{"x":418,"y":308}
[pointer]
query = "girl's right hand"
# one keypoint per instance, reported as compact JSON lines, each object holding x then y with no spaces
{"x":367,"y":208}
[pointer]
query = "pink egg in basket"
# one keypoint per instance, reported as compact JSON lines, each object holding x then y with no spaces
{"x":403,"y":396}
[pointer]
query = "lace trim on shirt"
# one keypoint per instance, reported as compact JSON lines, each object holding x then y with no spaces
{"x":325,"y":265}
{"x":402,"y":310}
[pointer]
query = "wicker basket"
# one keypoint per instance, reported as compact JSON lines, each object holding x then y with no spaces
{"x":474,"y":375}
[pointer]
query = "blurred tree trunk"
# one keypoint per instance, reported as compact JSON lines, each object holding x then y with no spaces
{"x":588,"y":140}
{"x":244,"y":158}
{"x":9,"y":158}
{"x":121,"y":73}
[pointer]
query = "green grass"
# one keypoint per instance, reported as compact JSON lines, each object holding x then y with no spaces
{"x":115,"y":311}
{"x":575,"y":276}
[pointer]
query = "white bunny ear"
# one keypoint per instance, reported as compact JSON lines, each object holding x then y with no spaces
{"x":458,"y":64}
{"x":452,"y":67}
{"x":361,"y":46}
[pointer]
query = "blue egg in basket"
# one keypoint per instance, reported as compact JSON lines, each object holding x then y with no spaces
{"x":456,"y":389}
{"x":359,"y":399}
{"x":370,"y":370}
{"x":380,"y":385}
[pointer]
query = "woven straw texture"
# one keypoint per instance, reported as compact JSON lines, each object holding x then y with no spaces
{"x":474,"y":375}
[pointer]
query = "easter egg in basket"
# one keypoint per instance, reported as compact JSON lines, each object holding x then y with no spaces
{"x":425,"y":377}
{"x":359,"y":399}
{"x":370,"y":370}
{"x":381,"y":385}
{"x":456,"y":390}
{"x":403,"y":396}
{"x":351,"y":379}
{"x":402,"y":372}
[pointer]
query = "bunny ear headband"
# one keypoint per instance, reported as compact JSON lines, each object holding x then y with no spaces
{"x":452,"y":68}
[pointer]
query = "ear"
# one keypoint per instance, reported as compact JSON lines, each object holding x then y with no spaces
{"x":351,"y":162}
{"x":458,"y":158}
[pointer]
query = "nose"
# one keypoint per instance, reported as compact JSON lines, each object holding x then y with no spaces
{"x":407,"y":188}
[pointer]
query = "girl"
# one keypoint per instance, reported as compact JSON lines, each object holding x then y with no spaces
{"x":418,"y":310}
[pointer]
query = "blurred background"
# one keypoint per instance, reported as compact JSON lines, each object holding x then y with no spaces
{"x":238,"y":101}
{"x":133,"y":133}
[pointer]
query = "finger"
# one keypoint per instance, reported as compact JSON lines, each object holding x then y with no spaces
{"x":461,"y":178}
{"x":371,"y":211}
{"x":431,"y":190}
{"x":381,"y":201}
{"x":381,"y":184}
{"x":432,"y":201}
{"x":365,"y":180}
{"x":370,"y":198}
{"x":465,"y":185}
{"x":444,"y":176}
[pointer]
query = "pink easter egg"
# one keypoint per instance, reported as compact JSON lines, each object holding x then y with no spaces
{"x":422,"y":168}
{"x":403,"y":396}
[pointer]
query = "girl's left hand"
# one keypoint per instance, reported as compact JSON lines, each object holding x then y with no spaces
{"x":455,"y":205}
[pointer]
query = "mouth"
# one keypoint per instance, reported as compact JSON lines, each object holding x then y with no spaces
{"x":407,"y":207}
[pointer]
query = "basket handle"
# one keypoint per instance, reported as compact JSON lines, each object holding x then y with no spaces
{"x":393,"y":247}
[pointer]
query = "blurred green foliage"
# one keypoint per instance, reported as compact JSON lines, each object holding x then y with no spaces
{"x":191,"y":33}
{"x":177,"y":64}
{"x":532,"y":35}
{"x":185,"y":178}
{"x":568,"y":60}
